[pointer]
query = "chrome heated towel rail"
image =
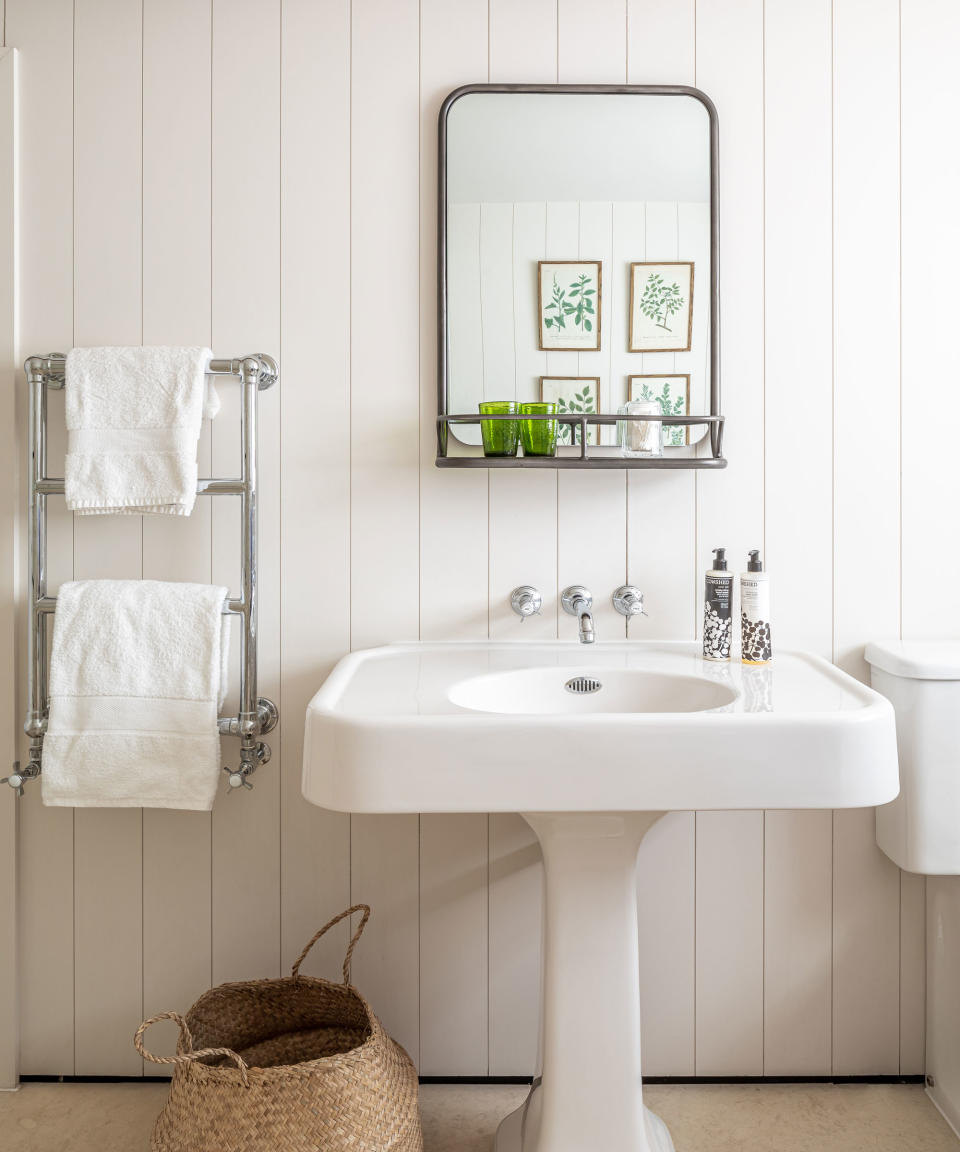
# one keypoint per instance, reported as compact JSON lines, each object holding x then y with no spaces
{"x":257,"y":715}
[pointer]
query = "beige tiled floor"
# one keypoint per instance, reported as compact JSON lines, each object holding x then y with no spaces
{"x":702,"y":1118}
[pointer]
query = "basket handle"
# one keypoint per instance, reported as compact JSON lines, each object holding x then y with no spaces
{"x":185,"y":1053}
{"x":365,"y":909}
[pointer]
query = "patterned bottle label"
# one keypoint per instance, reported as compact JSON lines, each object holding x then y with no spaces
{"x":755,"y":640}
{"x":717,"y":618}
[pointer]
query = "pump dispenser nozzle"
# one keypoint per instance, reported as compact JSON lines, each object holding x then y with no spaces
{"x":720,"y":561}
{"x":754,"y":563}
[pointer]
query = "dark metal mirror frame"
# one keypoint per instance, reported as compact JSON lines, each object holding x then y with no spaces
{"x":714,"y":419}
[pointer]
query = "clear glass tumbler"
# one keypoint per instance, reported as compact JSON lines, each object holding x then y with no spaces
{"x":640,"y":437}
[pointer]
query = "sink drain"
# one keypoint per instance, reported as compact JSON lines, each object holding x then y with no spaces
{"x":583,"y":685}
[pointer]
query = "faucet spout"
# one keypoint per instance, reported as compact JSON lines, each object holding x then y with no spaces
{"x":577,"y":601}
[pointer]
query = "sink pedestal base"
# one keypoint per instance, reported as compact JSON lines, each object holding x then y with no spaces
{"x":590,"y":1095}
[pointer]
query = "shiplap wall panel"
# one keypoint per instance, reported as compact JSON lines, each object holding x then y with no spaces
{"x":454,"y":853}
{"x":515,"y":929}
{"x":798,"y":846}
{"x":9,"y":491}
{"x":414,"y":522}
{"x":666,"y":912}
{"x":454,"y":508}
{"x":797,"y":943}
{"x":385,"y":324}
{"x":245,"y":312}
{"x":867,"y":299}
{"x":867,"y":601}
{"x":729,"y":968}
{"x":44,"y":37}
{"x":662,"y":43}
{"x":454,"y":579}
{"x":108,"y":309}
{"x":866,"y":950}
{"x":523,"y":550}
{"x":385,"y":873}
{"x":731,"y":515}
{"x":315,"y":844}
{"x":913,"y":965}
{"x":929,"y":302}
{"x":591,"y":506}
{"x":176,"y":310}
{"x":385,"y":515}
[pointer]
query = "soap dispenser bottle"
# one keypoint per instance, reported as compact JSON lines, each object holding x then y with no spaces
{"x":755,"y":641}
{"x":717,"y":604}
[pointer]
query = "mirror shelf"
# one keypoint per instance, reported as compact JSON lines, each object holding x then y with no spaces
{"x":583,"y":454}
{"x":533,"y":180}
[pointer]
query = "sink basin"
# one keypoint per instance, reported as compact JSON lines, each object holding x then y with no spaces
{"x":490,"y":727}
{"x":574,"y":691}
{"x":592,"y":746}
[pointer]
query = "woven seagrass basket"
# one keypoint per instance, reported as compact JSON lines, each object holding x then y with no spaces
{"x":290,"y":1065}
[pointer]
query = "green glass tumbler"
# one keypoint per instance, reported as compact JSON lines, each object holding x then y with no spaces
{"x":539,"y":436}
{"x":499,"y":436}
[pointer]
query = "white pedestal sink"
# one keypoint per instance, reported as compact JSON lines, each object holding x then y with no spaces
{"x":592,"y":746}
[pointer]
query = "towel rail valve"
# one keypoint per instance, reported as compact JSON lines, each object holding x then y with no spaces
{"x":252,"y":755}
{"x":19,"y":776}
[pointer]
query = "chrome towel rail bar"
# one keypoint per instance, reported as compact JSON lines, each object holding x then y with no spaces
{"x":257,"y":715}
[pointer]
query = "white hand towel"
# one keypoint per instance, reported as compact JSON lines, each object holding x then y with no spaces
{"x":133,"y":423}
{"x":137,"y":675}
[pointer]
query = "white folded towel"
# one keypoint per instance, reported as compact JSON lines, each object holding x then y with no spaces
{"x":133,"y":423}
{"x":137,"y":674}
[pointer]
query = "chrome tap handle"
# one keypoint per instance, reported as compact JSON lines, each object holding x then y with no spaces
{"x":628,"y":601}
{"x":251,"y":756}
{"x":15,"y":779}
{"x":236,"y":778}
{"x":20,"y":776}
{"x":575,"y":598}
{"x":526,"y":601}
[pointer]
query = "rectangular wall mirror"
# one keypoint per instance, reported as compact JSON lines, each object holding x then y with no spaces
{"x":578,"y":260}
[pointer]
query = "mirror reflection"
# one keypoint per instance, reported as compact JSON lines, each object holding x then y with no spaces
{"x":578,"y":249}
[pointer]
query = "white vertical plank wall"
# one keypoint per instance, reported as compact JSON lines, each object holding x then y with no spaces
{"x":177,"y":959}
{"x":108,"y":308}
{"x":522,"y":550}
{"x":384,"y":426}
{"x":9,"y":490}
{"x":245,"y":308}
{"x":798,"y":846}
{"x":45,"y":40}
{"x":314,"y":845}
{"x":260,"y":175}
{"x":729,"y":915}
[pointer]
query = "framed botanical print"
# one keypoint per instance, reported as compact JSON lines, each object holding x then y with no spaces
{"x":671,"y":391}
{"x":569,"y":305}
{"x":661,"y":306}
{"x":572,"y":394}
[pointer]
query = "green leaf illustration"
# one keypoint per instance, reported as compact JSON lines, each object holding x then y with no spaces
{"x":661,"y":300}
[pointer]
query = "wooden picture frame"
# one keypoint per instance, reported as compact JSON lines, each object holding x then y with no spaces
{"x":665,"y":296}
{"x":634,"y":392}
{"x":567,"y":433}
{"x":563,"y":324}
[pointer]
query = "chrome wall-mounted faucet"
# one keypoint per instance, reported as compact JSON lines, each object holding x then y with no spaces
{"x":628,"y":601}
{"x":577,"y":601}
{"x":526,"y":601}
